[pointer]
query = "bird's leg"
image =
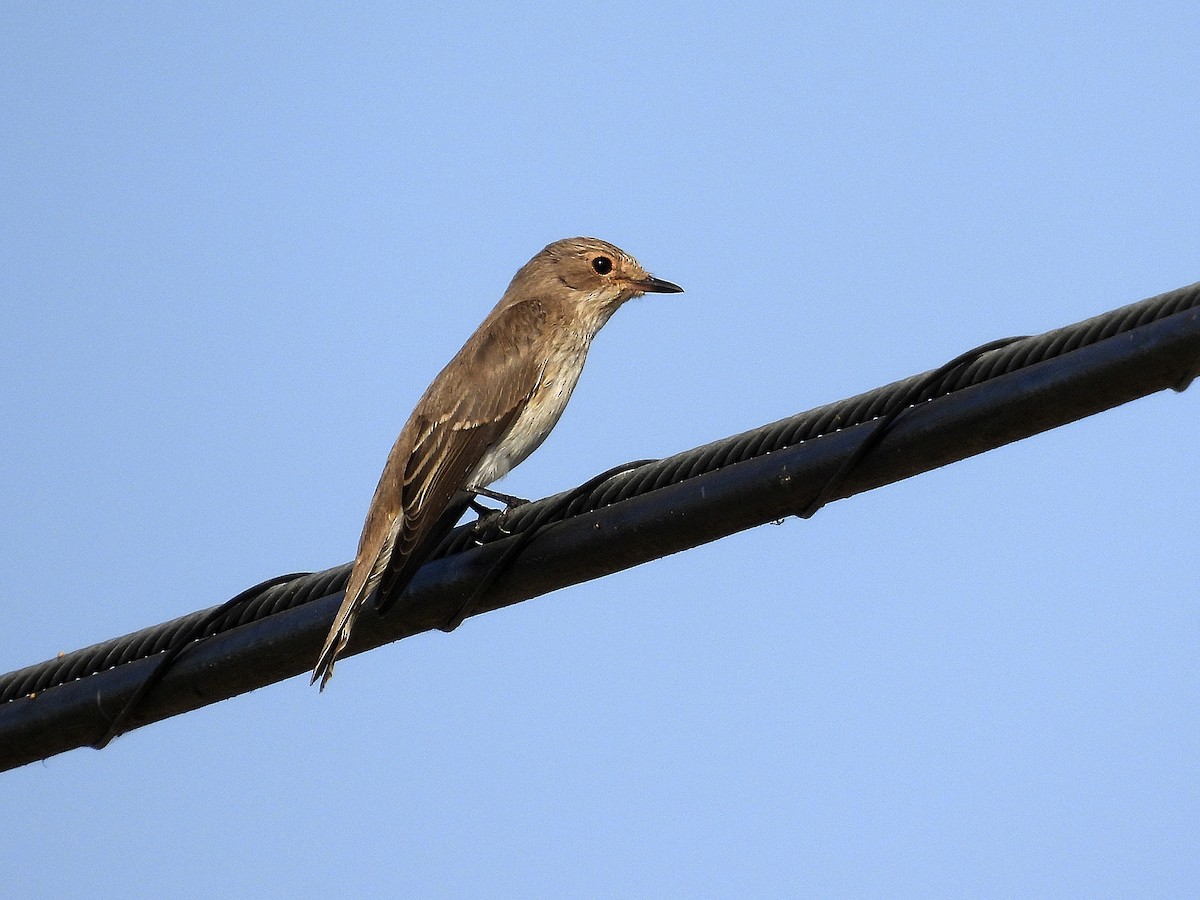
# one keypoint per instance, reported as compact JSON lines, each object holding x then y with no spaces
{"x":479,"y":509}
{"x":507,"y":499}
{"x":510,"y":503}
{"x":557,"y":508}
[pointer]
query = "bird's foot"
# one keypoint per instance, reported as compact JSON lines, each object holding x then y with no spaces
{"x":510,"y":503}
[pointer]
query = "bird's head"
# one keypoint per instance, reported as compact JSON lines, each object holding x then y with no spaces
{"x":590,"y":272}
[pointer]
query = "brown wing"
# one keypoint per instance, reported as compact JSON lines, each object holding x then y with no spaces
{"x":467,"y":409}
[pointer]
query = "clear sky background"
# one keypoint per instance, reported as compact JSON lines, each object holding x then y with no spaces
{"x":235,"y":246}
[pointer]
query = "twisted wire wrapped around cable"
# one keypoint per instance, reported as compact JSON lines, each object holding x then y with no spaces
{"x":884,"y":401}
{"x":843,"y":414}
{"x":69,"y":667}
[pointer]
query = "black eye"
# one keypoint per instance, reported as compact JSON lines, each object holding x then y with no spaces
{"x":602,"y":265}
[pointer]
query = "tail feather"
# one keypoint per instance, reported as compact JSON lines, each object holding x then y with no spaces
{"x":390,"y":575}
{"x":364,"y":579}
{"x":339,"y":635}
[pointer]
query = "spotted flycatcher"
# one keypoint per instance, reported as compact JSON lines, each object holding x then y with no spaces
{"x":491,"y":407}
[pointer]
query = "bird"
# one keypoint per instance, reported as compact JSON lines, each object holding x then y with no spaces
{"x":491,"y":406}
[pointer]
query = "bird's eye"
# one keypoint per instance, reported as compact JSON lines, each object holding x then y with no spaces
{"x":602,"y":265}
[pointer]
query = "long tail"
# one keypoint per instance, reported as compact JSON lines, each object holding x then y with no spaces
{"x":339,"y":635}
{"x":362,"y":584}
{"x":391,"y":581}
{"x":364,"y":578}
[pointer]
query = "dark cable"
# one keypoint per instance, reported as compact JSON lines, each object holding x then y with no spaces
{"x":554,"y":511}
{"x":70,"y":667}
{"x":885,"y":403}
{"x":184,"y":640}
{"x":888,"y":420}
{"x":852,"y":411}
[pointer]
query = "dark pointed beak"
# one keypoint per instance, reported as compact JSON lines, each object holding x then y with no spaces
{"x":654,"y":285}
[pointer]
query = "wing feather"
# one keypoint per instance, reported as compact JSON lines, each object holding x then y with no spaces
{"x":467,"y":409}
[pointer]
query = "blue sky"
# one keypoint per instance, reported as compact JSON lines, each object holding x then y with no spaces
{"x":238,"y":243}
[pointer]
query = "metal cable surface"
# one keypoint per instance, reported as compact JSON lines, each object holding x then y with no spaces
{"x":846,"y":413}
{"x":886,"y":400}
{"x":150,"y":641}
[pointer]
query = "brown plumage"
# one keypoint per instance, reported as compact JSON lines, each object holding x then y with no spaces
{"x":487,"y":410}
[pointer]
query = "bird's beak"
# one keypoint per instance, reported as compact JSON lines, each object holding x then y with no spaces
{"x":654,"y":285}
